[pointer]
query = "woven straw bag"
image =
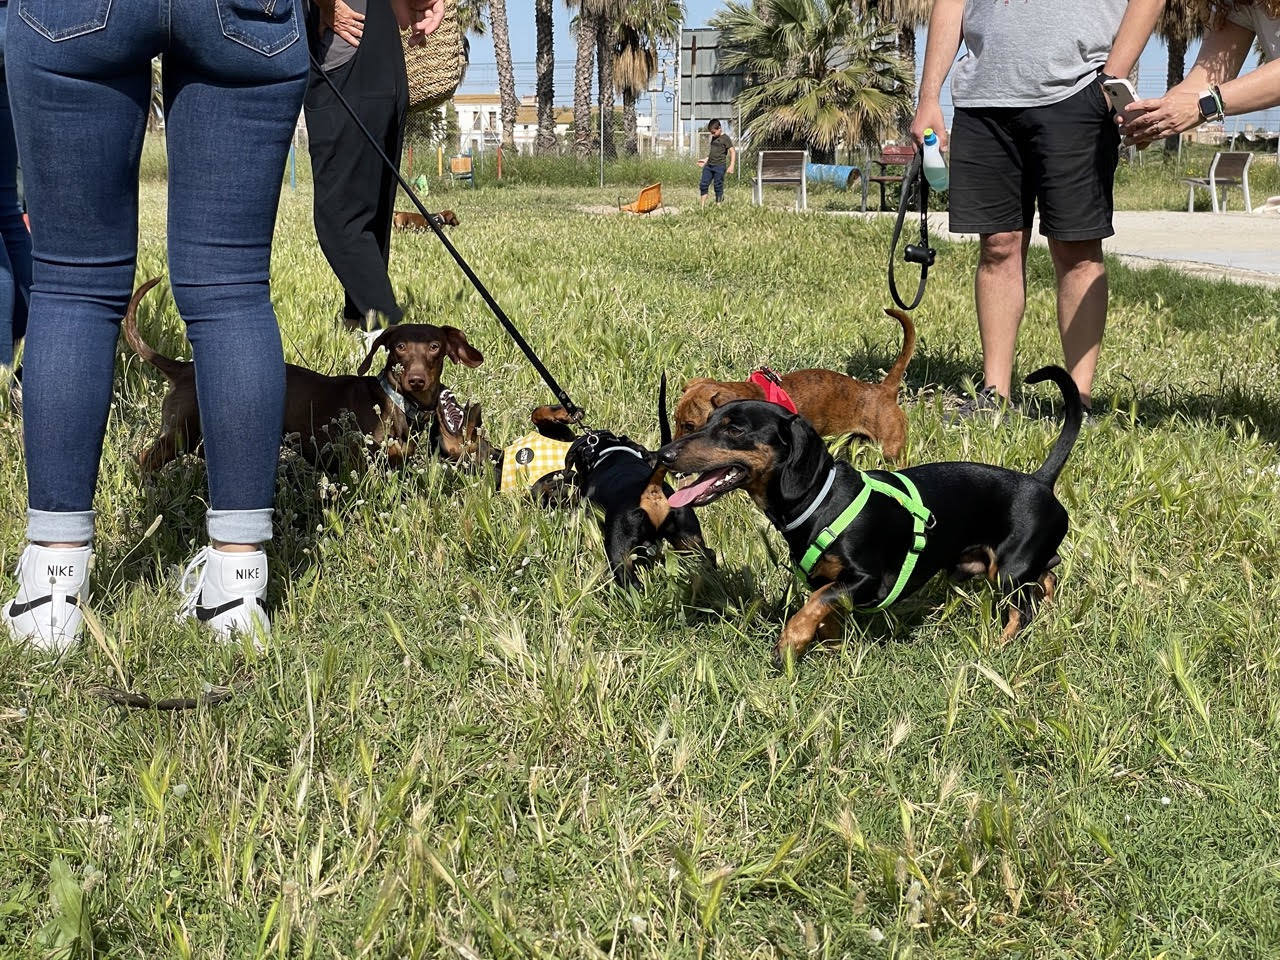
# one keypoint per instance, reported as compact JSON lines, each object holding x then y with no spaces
{"x":435,"y":69}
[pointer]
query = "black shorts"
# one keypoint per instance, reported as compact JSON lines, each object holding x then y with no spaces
{"x":1006,"y":161}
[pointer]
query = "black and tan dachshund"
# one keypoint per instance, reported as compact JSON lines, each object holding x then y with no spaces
{"x":983,"y":519}
{"x":618,"y":476}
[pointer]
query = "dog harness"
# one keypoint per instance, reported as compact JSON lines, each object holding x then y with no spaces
{"x":908,"y":498}
{"x":769,"y":381}
{"x":413,"y":411}
{"x":529,"y":459}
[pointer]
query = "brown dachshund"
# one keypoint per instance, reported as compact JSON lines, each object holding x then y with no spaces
{"x":407,"y":220}
{"x":396,"y":409}
{"x":834,"y":404}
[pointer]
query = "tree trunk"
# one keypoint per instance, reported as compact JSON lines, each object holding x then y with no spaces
{"x":907,"y":51}
{"x":506,"y":76}
{"x":582,"y":83}
{"x":630,"y":128}
{"x":546,"y":141}
{"x":1177,"y":71}
{"x":604,"y":64}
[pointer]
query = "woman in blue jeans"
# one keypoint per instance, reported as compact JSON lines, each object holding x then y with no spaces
{"x":79,"y":76}
{"x":15,"y":242}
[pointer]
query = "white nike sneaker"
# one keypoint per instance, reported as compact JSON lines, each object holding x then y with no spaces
{"x":225,"y":592}
{"x":52,"y":585}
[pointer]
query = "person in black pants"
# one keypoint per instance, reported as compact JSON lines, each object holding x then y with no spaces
{"x":358,"y":45}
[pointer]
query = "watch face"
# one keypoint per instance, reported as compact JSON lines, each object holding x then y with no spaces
{"x":1208,"y":106}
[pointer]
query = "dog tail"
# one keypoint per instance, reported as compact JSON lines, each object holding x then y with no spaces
{"x":893,"y":379}
{"x":1048,"y":474}
{"x":166,"y":365}
{"x":664,"y":424}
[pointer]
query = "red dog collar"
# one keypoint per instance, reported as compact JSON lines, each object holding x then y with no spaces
{"x":771,"y":384}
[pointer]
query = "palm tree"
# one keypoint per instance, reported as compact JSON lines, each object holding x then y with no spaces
{"x":644,"y":25}
{"x":1179,"y":24}
{"x":584,"y":28}
{"x":471,"y":14}
{"x":908,"y":16}
{"x":545,"y":27}
{"x":820,"y":74}
{"x":506,"y":75}
{"x":605,"y":29}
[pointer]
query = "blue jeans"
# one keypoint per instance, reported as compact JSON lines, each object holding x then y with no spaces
{"x":80,"y":79}
{"x":15,"y":242}
{"x":710,"y":173}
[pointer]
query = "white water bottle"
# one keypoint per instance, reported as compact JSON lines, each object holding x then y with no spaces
{"x":935,"y":167}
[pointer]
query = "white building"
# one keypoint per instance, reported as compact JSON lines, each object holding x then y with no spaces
{"x":480,"y":123}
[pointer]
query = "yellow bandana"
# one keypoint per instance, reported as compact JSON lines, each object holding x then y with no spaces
{"x":529,"y":459}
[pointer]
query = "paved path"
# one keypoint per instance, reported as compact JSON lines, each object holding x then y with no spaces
{"x":1233,"y":246}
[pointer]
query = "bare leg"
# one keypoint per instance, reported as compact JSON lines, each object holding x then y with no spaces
{"x":1001,"y":295}
{"x":1082,"y":307}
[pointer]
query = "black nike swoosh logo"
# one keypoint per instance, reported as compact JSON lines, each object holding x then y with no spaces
{"x":17,"y":609}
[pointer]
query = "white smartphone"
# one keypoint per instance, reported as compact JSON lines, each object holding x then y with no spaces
{"x":1120,"y":92}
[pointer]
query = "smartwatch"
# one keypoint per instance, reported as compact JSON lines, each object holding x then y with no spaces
{"x":1210,"y":106}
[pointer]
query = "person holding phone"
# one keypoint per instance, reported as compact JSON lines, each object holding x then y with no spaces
{"x":1214,"y":88}
{"x":1032,"y":131}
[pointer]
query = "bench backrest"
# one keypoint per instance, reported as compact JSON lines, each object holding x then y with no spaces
{"x":460,"y":165}
{"x":650,"y":199}
{"x":781,"y":164}
{"x":1230,"y":165}
{"x":897,"y":154}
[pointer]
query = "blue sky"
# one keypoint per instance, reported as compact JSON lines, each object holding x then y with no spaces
{"x":482,"y":76}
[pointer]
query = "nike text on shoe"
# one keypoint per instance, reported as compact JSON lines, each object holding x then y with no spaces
{"x":53,"y":584}
{"x":225,"y":592}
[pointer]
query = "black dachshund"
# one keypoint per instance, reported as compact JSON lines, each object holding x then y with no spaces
{"x":619,"y":476}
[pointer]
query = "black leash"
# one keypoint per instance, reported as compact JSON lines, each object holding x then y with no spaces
{"x":437,"y":228}
{"x":914,"y":187}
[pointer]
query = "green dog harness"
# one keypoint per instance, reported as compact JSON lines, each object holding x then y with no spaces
{"x":922,"y":519}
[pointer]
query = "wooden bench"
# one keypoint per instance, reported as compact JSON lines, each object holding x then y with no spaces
{"x":782,"y":168}
{"x":894,"y":155}
{"x":1226,"y":170}
{"x":649,"y":200}
{"x":461,"y":168}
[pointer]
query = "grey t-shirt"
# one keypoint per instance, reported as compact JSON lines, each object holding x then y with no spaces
{"x":331,"y":50}
{"x":1265,"y":26}
{"x":1029,"y":53}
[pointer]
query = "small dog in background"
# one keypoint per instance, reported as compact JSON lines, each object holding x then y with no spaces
{"x":408,"y":220}
{"x":834,"y":404}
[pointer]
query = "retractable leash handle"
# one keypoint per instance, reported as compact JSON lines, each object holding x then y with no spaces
{"x":920,"y":253}
{"x":560,"y":393}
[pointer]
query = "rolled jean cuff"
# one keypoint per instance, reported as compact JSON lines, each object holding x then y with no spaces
{"x":240,"y":526}
{"x":48,"y":526}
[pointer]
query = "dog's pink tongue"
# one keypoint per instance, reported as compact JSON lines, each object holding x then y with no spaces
{"x":687,"y":494}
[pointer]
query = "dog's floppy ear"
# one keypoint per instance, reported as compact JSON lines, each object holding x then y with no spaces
{"x":801,"y":457}
{"x":720,"y":397}
{"x":382,"y":341}
{"x":458,"y":349}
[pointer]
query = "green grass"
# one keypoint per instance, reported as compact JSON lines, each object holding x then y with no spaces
{"x":464,"y":742}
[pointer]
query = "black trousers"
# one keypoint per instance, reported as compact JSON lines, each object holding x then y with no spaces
{"x":355,"y":193}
